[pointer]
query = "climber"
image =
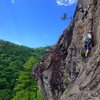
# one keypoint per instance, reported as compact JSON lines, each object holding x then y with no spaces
{"x":88,"y":42}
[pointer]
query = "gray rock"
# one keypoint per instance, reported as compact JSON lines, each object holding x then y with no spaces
{"x":64,"y":58}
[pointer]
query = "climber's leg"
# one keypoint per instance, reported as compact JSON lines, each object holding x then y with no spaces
{"x":88,"y":48}
{"x":86,"y":54}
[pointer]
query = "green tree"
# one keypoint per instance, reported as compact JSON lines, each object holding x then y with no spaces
{"x":66,"y":17}
{"x":12,"y":64}
{"x":26,"y":88}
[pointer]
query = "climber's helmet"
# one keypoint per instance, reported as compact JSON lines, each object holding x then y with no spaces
{"x":90,"y":31}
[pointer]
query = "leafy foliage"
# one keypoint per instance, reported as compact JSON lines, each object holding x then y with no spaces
{"x":26,"y":88}
{"x":15,"y":70}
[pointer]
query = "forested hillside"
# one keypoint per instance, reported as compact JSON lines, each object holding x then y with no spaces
{"x":16,"y":63}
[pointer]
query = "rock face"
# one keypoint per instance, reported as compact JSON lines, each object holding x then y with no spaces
{"x":62,"y":74}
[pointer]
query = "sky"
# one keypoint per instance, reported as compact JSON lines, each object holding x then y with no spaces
{"x":34,"y":23}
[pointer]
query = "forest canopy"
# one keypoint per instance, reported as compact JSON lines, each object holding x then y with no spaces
{"x":16,"y":63}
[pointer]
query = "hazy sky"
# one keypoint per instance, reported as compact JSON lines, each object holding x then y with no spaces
{"x":34,"y":23}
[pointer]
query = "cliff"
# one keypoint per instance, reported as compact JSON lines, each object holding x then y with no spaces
{"x":63,"y":74}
